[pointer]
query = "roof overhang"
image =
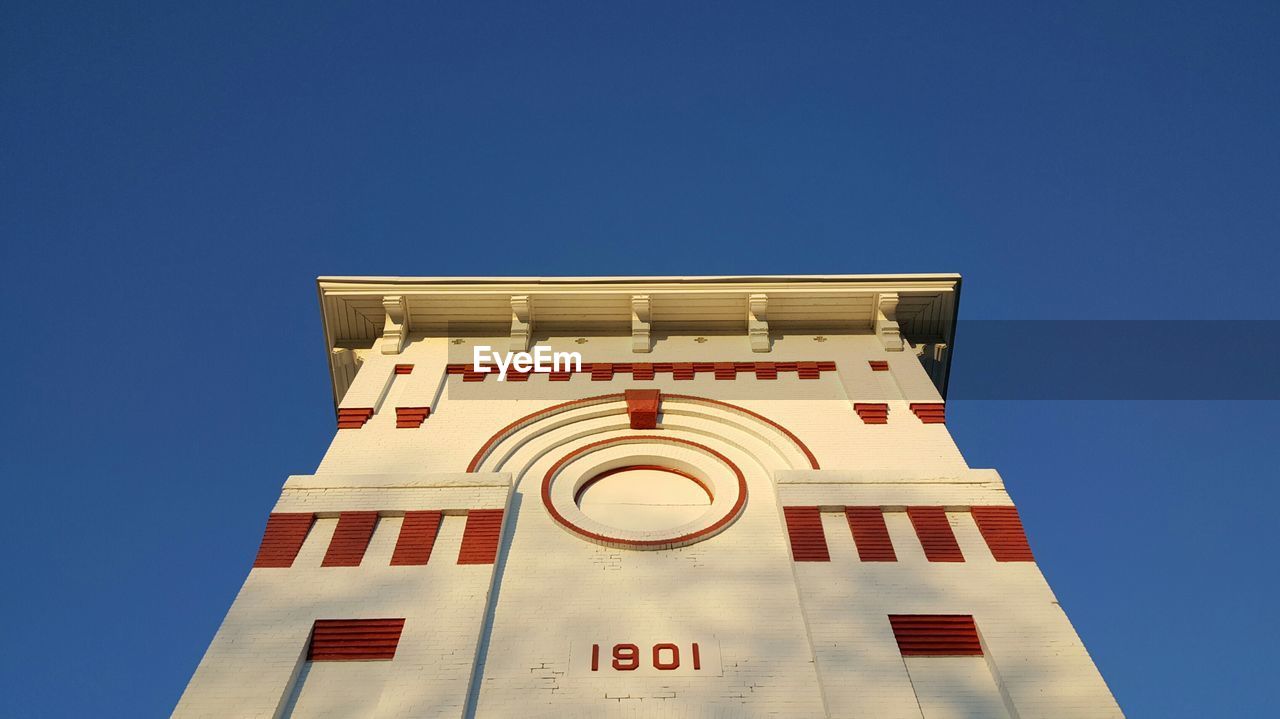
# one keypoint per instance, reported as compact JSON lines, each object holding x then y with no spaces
{"x":357,"y":310}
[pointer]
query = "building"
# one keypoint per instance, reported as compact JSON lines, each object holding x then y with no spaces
{"x":743,"y":503}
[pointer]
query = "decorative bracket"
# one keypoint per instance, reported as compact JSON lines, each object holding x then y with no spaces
{"x":640,"y":315}
{"x":758,"y":322}
{"x":395,"y":332}
{"x":886,"y":324}
{"x":521,"y":322}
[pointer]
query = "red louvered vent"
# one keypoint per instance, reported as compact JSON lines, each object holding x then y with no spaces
{"x":879,"y":365}
{"x":1002,"y":528}
{"x":808,"y":370}
{"x":642,"y":407}
{"x":642,"y":370}
{"x":353,"y":417}
{"x":350,"y":539}
{"x":872,"y":413}
{"x":936,"y":635}
{"x":354,"y":640}
{"x":404,"y":369}
{"x":804,"y":528}
{"x":870,"y":534}
{"x":930,"y":412}
{"x":682,"y":370}
{"x":285,"y":533}
{"x":766,"y":370}
{"x":725,"y":370}
{"x":417,"y":538}
{"x":480,"y":538}
{"x":935,"y":534}
{"x":411,"y":417}
{"x":601,"y":371}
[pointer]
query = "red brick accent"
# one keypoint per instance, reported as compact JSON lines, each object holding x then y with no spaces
{"x":480,"y":538}
{"x":642,"y":407}
{"x":353,"y":417}
{"x":1002,"y":528}
{"x":350,"y":539}
{"x":559,"y":376}
{"x":872,"y":412}
{"x":354,"y":640}
{"x":766,"y":370}
{"x":808,"y":370}
{"x":404,"y":369}
{"x":879,"y":365}
{"x":411,"y":417}
{"x":930,"y":412}
{"x":804,"y":528}
{"x":725,"y":370}
{"x":417,"y":538}
{"x":682,"y":370}
{"x":936,"y":635}
{"x":870,"y":534}
{"x":285,"y":533}
{"x":605,"y":371}
{"x":935,"y":534}
{"x":642,"y":370}
{"x":601,"y":371}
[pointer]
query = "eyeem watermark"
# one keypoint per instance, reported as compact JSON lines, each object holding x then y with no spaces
{"x":535,"y":361}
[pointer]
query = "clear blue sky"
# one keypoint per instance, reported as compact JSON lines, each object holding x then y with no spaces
{"x":173,"y":178}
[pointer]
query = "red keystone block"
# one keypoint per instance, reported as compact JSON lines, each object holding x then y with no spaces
{"x":642,"y":407}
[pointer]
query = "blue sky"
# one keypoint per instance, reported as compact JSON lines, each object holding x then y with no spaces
{"x":173,"y":177}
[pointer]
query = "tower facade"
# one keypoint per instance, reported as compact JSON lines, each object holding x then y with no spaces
{"x":644,"y":497}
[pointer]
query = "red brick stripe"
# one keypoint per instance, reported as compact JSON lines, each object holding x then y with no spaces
{"x":606,"y":371}
{"x":285,"y":533}
{"x":804,"y":528}
{"x":350,"y":539}
{"x":480,"y":538}
{"x":936,"y":635}
{"x":354,"y":640}
{"x":935,"y":534}
{"x":870,"y":534}
{"x":878,"y":365}
{"x":417,"y":538}
{"x":404,"y":369}
{"x":1002,"y":529}
{"x":872,"y":412}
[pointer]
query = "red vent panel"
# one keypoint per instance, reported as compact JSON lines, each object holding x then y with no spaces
{"x":354,"y":640}
{"x":879,"y":365}
{"x":1002,"y":529}
{"x":930,"y":412}
{"x":936,"y":635}
{"x":935,"y":534}
{"x":404,"y":369}
{"x":804,"y":528}
{"x":283,"y":538}
{"x":350,"y":539}
{"x":870,"y":534}
{"x":642,"y":407}
{"x":872,"y":413}
{"x":480,"y":538}
{"x":417,"y":538}
{"x":411,"y":417}
{"x":353,"y":417}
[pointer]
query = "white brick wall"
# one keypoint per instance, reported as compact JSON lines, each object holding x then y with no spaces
{"x":792,"y":639}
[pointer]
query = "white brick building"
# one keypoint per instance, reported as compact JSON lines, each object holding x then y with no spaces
{"x":745,"y":504}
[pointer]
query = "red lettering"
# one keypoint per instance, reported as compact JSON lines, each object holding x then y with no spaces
{"x":657,"y":657}
{"x":626,"y":657}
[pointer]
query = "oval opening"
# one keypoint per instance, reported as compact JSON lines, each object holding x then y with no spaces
{"x":643,"y":498}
